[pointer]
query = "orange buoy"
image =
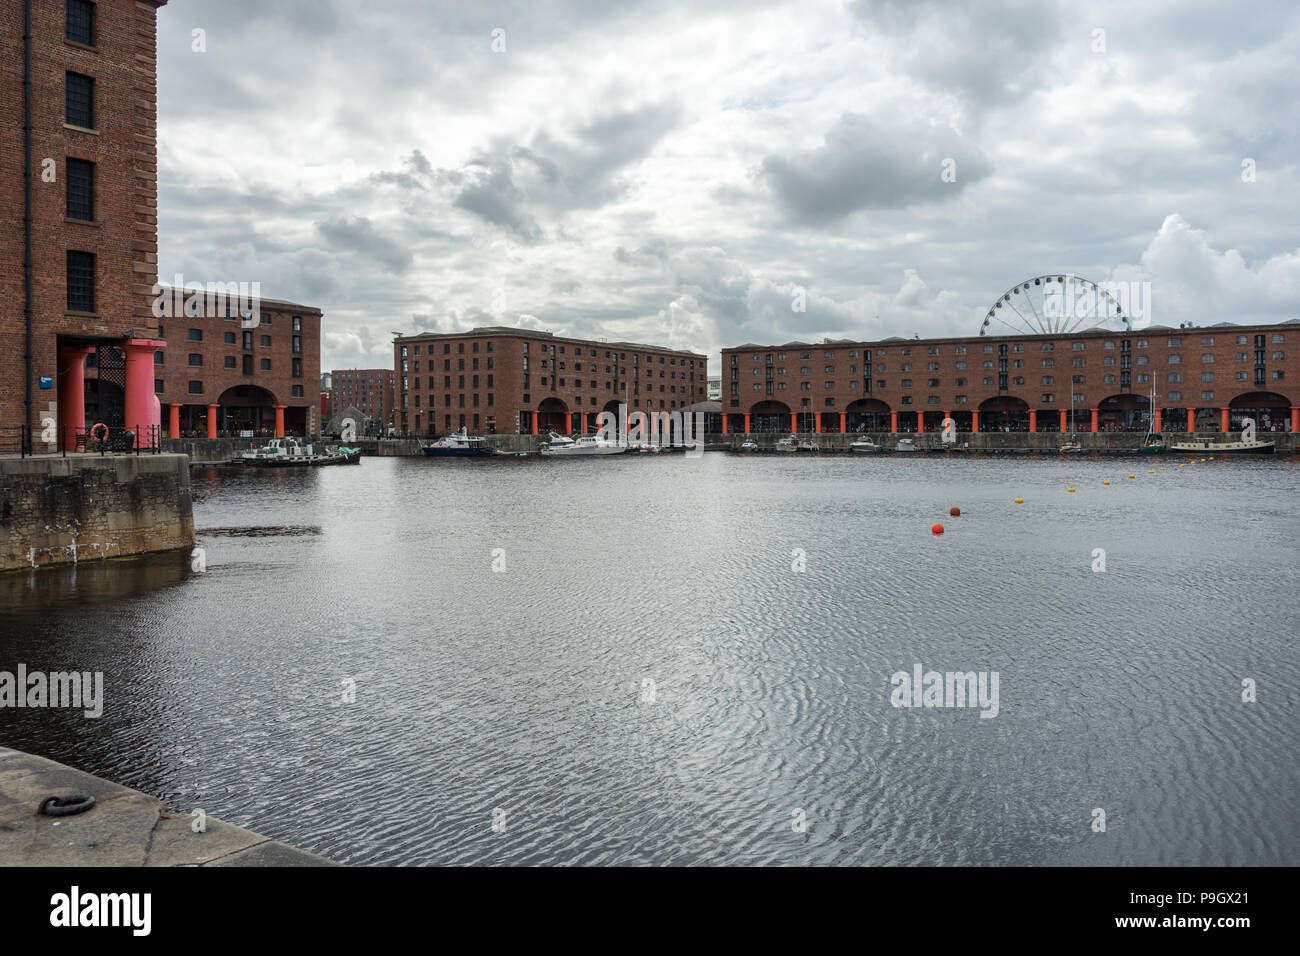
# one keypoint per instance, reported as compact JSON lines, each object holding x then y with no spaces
{"x":954,"y":511}
{"x":937,"y":529}
{"x":1105,"y":482}
{"x":1071,"y":490}
{"x":1020,"y":501}
{"x":1151,"y":472}
{"x":1132,"y":476}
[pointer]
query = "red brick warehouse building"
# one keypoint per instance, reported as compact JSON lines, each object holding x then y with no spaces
{"x":227,"y":374}
{"x":79,"y":234}
{"x":1205,"y":379}
{"x":521,"y":381}
{"x":368,"y":390}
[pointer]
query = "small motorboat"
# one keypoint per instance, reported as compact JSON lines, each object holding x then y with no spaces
{"x":788,"y":444}
{"x":865,"y":446}
{"x":459,"y":445}
{"x":562,"y":446}
{"x":809,"y":444}
{"x":749,"y":444}
{"x":906,"y":445}
{"x":1070,"y":448}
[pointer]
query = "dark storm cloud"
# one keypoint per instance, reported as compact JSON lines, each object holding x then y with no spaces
{"x":864,"y":165}
{"x":491,"y":194}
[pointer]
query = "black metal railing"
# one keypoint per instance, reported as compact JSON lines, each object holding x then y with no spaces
{"x":97,"y":439}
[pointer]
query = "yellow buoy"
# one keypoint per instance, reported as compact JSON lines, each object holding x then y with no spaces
{"x":1132,"y":476}
{"x":1151,"y":472}
{"x":1105,"y":482}
{"x":1020,"y":501}
{"x":1069,"y":489}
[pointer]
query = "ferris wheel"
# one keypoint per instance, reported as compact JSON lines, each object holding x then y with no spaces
{"x":1055,"y":305}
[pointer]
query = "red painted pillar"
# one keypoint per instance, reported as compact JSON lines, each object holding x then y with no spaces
{"x":844,"y":423}
{"x":975,"y":422}
{"x":746,"y":423}
{"x":1155,"y":421}
{"x":174,"y":421}
{"x":279,"y":421}
{"x":724,"y":423}
{"x":817,"y":423}
{"x":794,"y":422}
{"x":1064,"y":425}
{"x":532,"y":417}
{"x":1191,"y":420}
{"x":1295,"y":418}
{"x":212,"y":420}
{"x":1033,"y":420}
{"x":920,"y":422}
{"x":893,"y":423}
{"x":1223,"y":419}
{"x":72,"y":395}
{"x":142,"y":412}
{"x":1096,"y":415}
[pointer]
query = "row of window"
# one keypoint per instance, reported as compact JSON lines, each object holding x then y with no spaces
{"x":1278,"y":338}
{"x":546,"y":349}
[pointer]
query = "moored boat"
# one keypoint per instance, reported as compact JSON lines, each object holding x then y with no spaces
{"x":290,"y":453}
{"x":865,"y":446}
{"x":906,"y":445}
{"x":459,"y":445}
{"x":562,"y":446}
{"x":788,"y":444}
{"x":1225,"y":447}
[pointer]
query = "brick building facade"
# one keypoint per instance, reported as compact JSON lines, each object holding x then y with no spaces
{"x":1205,"y":379}
{"x":369,"y":390}
{"x":87,"y":172}
{"x":518,"y":381}
{"x":226,"y":374}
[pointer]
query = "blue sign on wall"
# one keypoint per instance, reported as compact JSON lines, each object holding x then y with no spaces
{"x":47,"y":381}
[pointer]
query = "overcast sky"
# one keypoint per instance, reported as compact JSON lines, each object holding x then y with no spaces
{"x":669,"y":173}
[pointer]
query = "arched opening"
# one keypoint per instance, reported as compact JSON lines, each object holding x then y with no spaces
{"x":1270,"y":411}
{"x":1124,"y":413}
{"x":246,"y":411}
{"x":770,"y":417}
{"x":868,"y":415}
{"x":1004,"y":414}
{"x":963,"y":419}
{"x":553,"y":415}
{"x":712,"y":412}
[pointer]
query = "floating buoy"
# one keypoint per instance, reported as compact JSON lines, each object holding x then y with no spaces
{"x":1069,"y":489}
{"x":1151,"y":472}
{"x":1020,"y":501}
{"x":937,"y":529}
{"x":1105,"y":482}
{"x":954,"y":511}
{"x":1132,"y":476}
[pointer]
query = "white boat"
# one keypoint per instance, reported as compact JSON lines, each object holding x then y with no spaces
{"x":865,"y":446}
{"x":1070,"y":447}
{"x":789,"y":443}
{"x":749,"y":444}
{"x":290,"y":453}
{"x":1225,"y":447}
{"x":809,"y":445}
{"x":561,"y":446}
{"x":906,"y":445}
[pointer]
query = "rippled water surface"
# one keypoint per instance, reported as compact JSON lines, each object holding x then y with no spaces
{"x":528,"y":689}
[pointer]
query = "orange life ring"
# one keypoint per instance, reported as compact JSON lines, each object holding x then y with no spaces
{"x":95,"y":434}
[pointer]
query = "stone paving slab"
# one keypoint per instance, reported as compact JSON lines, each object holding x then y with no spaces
{"x":124,"y":828}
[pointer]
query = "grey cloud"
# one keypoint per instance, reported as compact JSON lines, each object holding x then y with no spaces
{"x":357,"y":234}
{"x":864,"y":165}
{"x":492,"y":195}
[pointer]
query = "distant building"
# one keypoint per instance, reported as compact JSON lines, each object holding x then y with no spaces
{"x":492,"y":380}
{"x":715,"y":389}
{"x":1205,"y":379}
{"x":369,"y":390}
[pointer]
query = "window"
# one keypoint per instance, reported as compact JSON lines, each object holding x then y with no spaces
{"x":297,"y":368}
{"x":158,"y":386}
{"x":247,"y":341}
{"x":1207,"y":357}
{"x":1175,"y":359}
{"x":196,"y":335}
{"x":266,"y":341}
{"x":196,"y":359}
{"x":1047,"y":380}
{"x":265,"y":365}
{"x":297,"y":345}
{"x":1077,"y":346}
{"x":1278,"y":338}
{"x":1278,"y":356}
{"x":158,"y":358}
{"x":296,"y":391}
{"x":1047,"y":398}
{"x":1175,"y":396}
{"x":1207,"y":376}
{"x":81,"y":22}
{"x":80,"y":176}
{"x":79,"y":101}
{"x":1207,"y":340}
{"x":1174,"y":343}
{"x":230,"y":361}
{"x":196,"y":388}
{"x":229,"y":338}
{"x":297,"y":327}
{"x":1049,"y":363}
{"x":81,"y":281}
{"x":1175,"y":376}
{"x":1048,"y":347}
{"x":1207,"y":396}
{"x":988,"y":380}
{"x":960,"y":366}
{"x":1108,"y":345}
{"x":1278,"y":375}
{"x":248,"y":365}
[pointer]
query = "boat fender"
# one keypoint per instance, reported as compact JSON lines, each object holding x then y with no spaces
{"x":66,"y":806}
